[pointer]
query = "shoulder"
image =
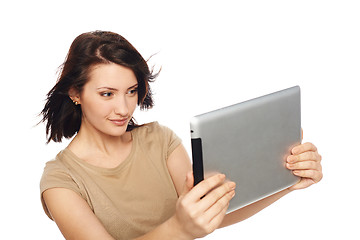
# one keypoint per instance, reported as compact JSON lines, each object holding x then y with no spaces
{"x":153,"y":129}
{"x":58,"y":174}
{"x":157,"y":137}
{"x":55,"y":166}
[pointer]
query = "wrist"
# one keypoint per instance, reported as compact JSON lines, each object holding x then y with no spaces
{"x":289,"y":189}
{"x":177,"y":230}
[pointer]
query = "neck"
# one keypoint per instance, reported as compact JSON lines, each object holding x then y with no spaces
{"x":89,"y":139}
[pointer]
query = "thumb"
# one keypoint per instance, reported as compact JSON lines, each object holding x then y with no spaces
{"x":188,"y":184}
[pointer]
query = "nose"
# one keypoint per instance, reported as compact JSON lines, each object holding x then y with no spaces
{"x":121,"y":107}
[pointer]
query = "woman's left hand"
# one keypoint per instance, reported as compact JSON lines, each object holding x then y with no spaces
{"x":305,"y":162}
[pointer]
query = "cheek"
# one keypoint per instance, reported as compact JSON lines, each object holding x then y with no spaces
{"x":96,"y":110}
{"x":133,"y":105}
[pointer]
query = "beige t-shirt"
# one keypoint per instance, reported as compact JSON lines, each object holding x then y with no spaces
{"x":132,"y":198}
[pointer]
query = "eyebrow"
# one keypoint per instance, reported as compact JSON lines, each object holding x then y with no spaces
{"x":107,"y":88}
{"x":115,"y":89}
{"x":133,"y":86}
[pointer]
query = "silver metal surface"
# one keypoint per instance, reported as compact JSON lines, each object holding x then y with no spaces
{"x":249,"y":142}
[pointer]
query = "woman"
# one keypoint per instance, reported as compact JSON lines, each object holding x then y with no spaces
{"x":120,"y":180}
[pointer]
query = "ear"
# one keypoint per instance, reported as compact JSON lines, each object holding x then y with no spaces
{"x":74,"y":96}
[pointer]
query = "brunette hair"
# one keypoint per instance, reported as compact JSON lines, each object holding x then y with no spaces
{"x":62,"y":116}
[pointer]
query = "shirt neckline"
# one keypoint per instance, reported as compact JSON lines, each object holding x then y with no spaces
{"x":103,"y":170}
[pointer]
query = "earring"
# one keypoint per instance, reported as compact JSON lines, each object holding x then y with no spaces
{"x":76,"y":103}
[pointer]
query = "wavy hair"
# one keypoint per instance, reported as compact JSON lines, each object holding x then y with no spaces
{"x":62,"y":116}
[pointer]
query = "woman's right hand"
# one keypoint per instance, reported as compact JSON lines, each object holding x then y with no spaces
{"x":201,"y":209}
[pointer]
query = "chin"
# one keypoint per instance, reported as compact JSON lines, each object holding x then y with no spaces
{"x":116,"y":132}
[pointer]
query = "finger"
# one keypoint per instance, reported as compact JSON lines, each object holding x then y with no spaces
{"x":305,"y":165}
{"x":303,"y":148}
{"x":314,"y":175}
{"x":220,"y":205}
{"x":306,"y":156}
{"x":304,"y":183}
{"x":205,"y":186}
{"x":217,"y":212}
{"x":215,"y":195}
{"x":214,"y":215}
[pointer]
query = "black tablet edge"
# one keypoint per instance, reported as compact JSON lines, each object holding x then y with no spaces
{"x":198,"y":168}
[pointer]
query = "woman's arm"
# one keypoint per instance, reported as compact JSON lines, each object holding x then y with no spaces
{"x":73,"y":215}
{"x":250,"y":210}
{"x":76,"y":220}
{"x":196,"y":215}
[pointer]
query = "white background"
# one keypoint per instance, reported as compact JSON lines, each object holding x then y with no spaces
{"x":212,"y":54}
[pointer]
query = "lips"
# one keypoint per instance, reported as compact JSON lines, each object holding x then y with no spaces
{"x":119,"y":122}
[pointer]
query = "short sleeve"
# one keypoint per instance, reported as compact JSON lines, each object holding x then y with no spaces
{"x":158,"y":139}
{"x":56,"y":176}
{"x":171,"y":139}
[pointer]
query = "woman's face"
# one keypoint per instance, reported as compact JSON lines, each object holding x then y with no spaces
{"x":109,"y":99}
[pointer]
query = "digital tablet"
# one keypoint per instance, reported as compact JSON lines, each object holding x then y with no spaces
{"x":249,"y":143}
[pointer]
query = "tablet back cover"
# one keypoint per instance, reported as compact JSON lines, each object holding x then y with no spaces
{"x":249,"y":143}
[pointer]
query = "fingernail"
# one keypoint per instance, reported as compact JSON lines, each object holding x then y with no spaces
{"x":294,"y":150}
{"x":232,"y":185}
{"x":290,"y":159}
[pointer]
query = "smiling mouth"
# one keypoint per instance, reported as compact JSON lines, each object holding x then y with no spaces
{"x":119,"y":122}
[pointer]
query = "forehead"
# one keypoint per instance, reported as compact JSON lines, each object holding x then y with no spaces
{"x":111,"y":75}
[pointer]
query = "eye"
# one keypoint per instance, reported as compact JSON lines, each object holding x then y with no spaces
{"x":106,"y":94}
{"x":132,"y":91}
